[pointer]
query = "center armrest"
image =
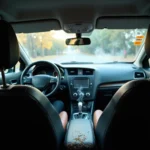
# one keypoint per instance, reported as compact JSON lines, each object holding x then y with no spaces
{"x":80,"y":135}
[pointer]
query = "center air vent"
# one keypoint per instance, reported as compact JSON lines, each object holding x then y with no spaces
{"x":139,"y":75}
{"x":73,"y":71}
{"x":87,"y":72}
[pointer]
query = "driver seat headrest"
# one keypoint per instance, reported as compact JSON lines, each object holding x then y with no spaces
{"x":9,"y":46}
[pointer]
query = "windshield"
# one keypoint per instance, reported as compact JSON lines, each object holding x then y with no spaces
{"x":107,"y":45}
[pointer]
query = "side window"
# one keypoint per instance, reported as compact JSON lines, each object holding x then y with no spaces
{"x":14,"y":69}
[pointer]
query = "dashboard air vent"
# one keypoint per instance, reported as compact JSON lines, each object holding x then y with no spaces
{"x":87,"y":72}
{"x":73,"y":71}
{"x":139,"y":75}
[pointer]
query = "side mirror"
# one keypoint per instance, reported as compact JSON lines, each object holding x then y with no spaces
{"x":78,"y":41}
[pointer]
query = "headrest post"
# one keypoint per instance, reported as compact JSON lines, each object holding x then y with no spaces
{"x":3,"y":78}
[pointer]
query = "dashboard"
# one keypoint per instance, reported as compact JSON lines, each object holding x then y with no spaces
{"x":99,"y":82}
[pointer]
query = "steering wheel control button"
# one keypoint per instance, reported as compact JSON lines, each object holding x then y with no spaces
{"x":27,"y":80}
{"x":53,"y":79}
{"x":87,"y":94}
{"x":75,"y":94}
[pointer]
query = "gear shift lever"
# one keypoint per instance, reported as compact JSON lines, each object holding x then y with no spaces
{"x":80,"y":99}
{"x":80,"y":107}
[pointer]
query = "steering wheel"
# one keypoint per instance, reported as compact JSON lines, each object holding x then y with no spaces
{"x":42,"y":82}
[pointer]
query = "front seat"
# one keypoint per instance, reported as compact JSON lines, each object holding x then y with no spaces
{"x":27,"y":118}
{"x":125,"y":122}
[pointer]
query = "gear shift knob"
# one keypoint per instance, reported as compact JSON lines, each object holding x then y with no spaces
{"x":80,"y":106}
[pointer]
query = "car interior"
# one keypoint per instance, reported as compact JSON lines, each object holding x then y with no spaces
{"x":75,"y":74}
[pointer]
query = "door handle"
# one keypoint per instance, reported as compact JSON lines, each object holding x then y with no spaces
{"x":14,"y":82}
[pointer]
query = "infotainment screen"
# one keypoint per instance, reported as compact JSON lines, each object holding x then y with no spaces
{"x":84,"y":83}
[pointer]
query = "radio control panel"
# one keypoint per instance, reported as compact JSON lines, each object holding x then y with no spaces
{"x":85,"y":84}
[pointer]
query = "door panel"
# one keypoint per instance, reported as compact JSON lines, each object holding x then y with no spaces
{"x":12,"y":78}
{"x":13,"y":74}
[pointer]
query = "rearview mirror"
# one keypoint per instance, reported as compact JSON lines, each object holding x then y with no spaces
{"x":78,"y":41}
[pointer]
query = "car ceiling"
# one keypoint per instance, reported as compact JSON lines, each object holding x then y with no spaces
{"x":56,"y":13}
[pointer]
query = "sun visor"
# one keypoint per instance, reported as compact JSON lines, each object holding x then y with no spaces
{"x":122,"y":22}
{"x":147,"y":42}
{"x":36,"y":26}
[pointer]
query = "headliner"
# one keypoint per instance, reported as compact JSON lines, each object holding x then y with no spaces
{"x":55,"y":13}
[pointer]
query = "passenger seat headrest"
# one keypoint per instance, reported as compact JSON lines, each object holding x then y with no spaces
{"x":9,"y":48}
{"x":147,"y":42}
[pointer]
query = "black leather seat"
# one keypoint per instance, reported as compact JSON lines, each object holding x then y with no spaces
{"x":27,"y":118}
{"x":125,"y":123}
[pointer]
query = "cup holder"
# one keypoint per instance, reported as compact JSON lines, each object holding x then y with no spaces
{"x":80,"y":116}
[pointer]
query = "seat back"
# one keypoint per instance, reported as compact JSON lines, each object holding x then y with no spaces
{"x":27,"y":118}
{"x":125,"y":123}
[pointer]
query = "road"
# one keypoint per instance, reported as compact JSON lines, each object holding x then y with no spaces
{"x":82,"y":57}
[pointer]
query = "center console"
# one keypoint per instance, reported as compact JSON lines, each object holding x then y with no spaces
{"x":80,"y":135}
{"x":80,"y":132}
{"x":86,"y":83}
{"x":81,"y":89}
{"x":81,"y":78}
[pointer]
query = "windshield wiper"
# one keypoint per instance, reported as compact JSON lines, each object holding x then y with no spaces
{"x":76,"y":62}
